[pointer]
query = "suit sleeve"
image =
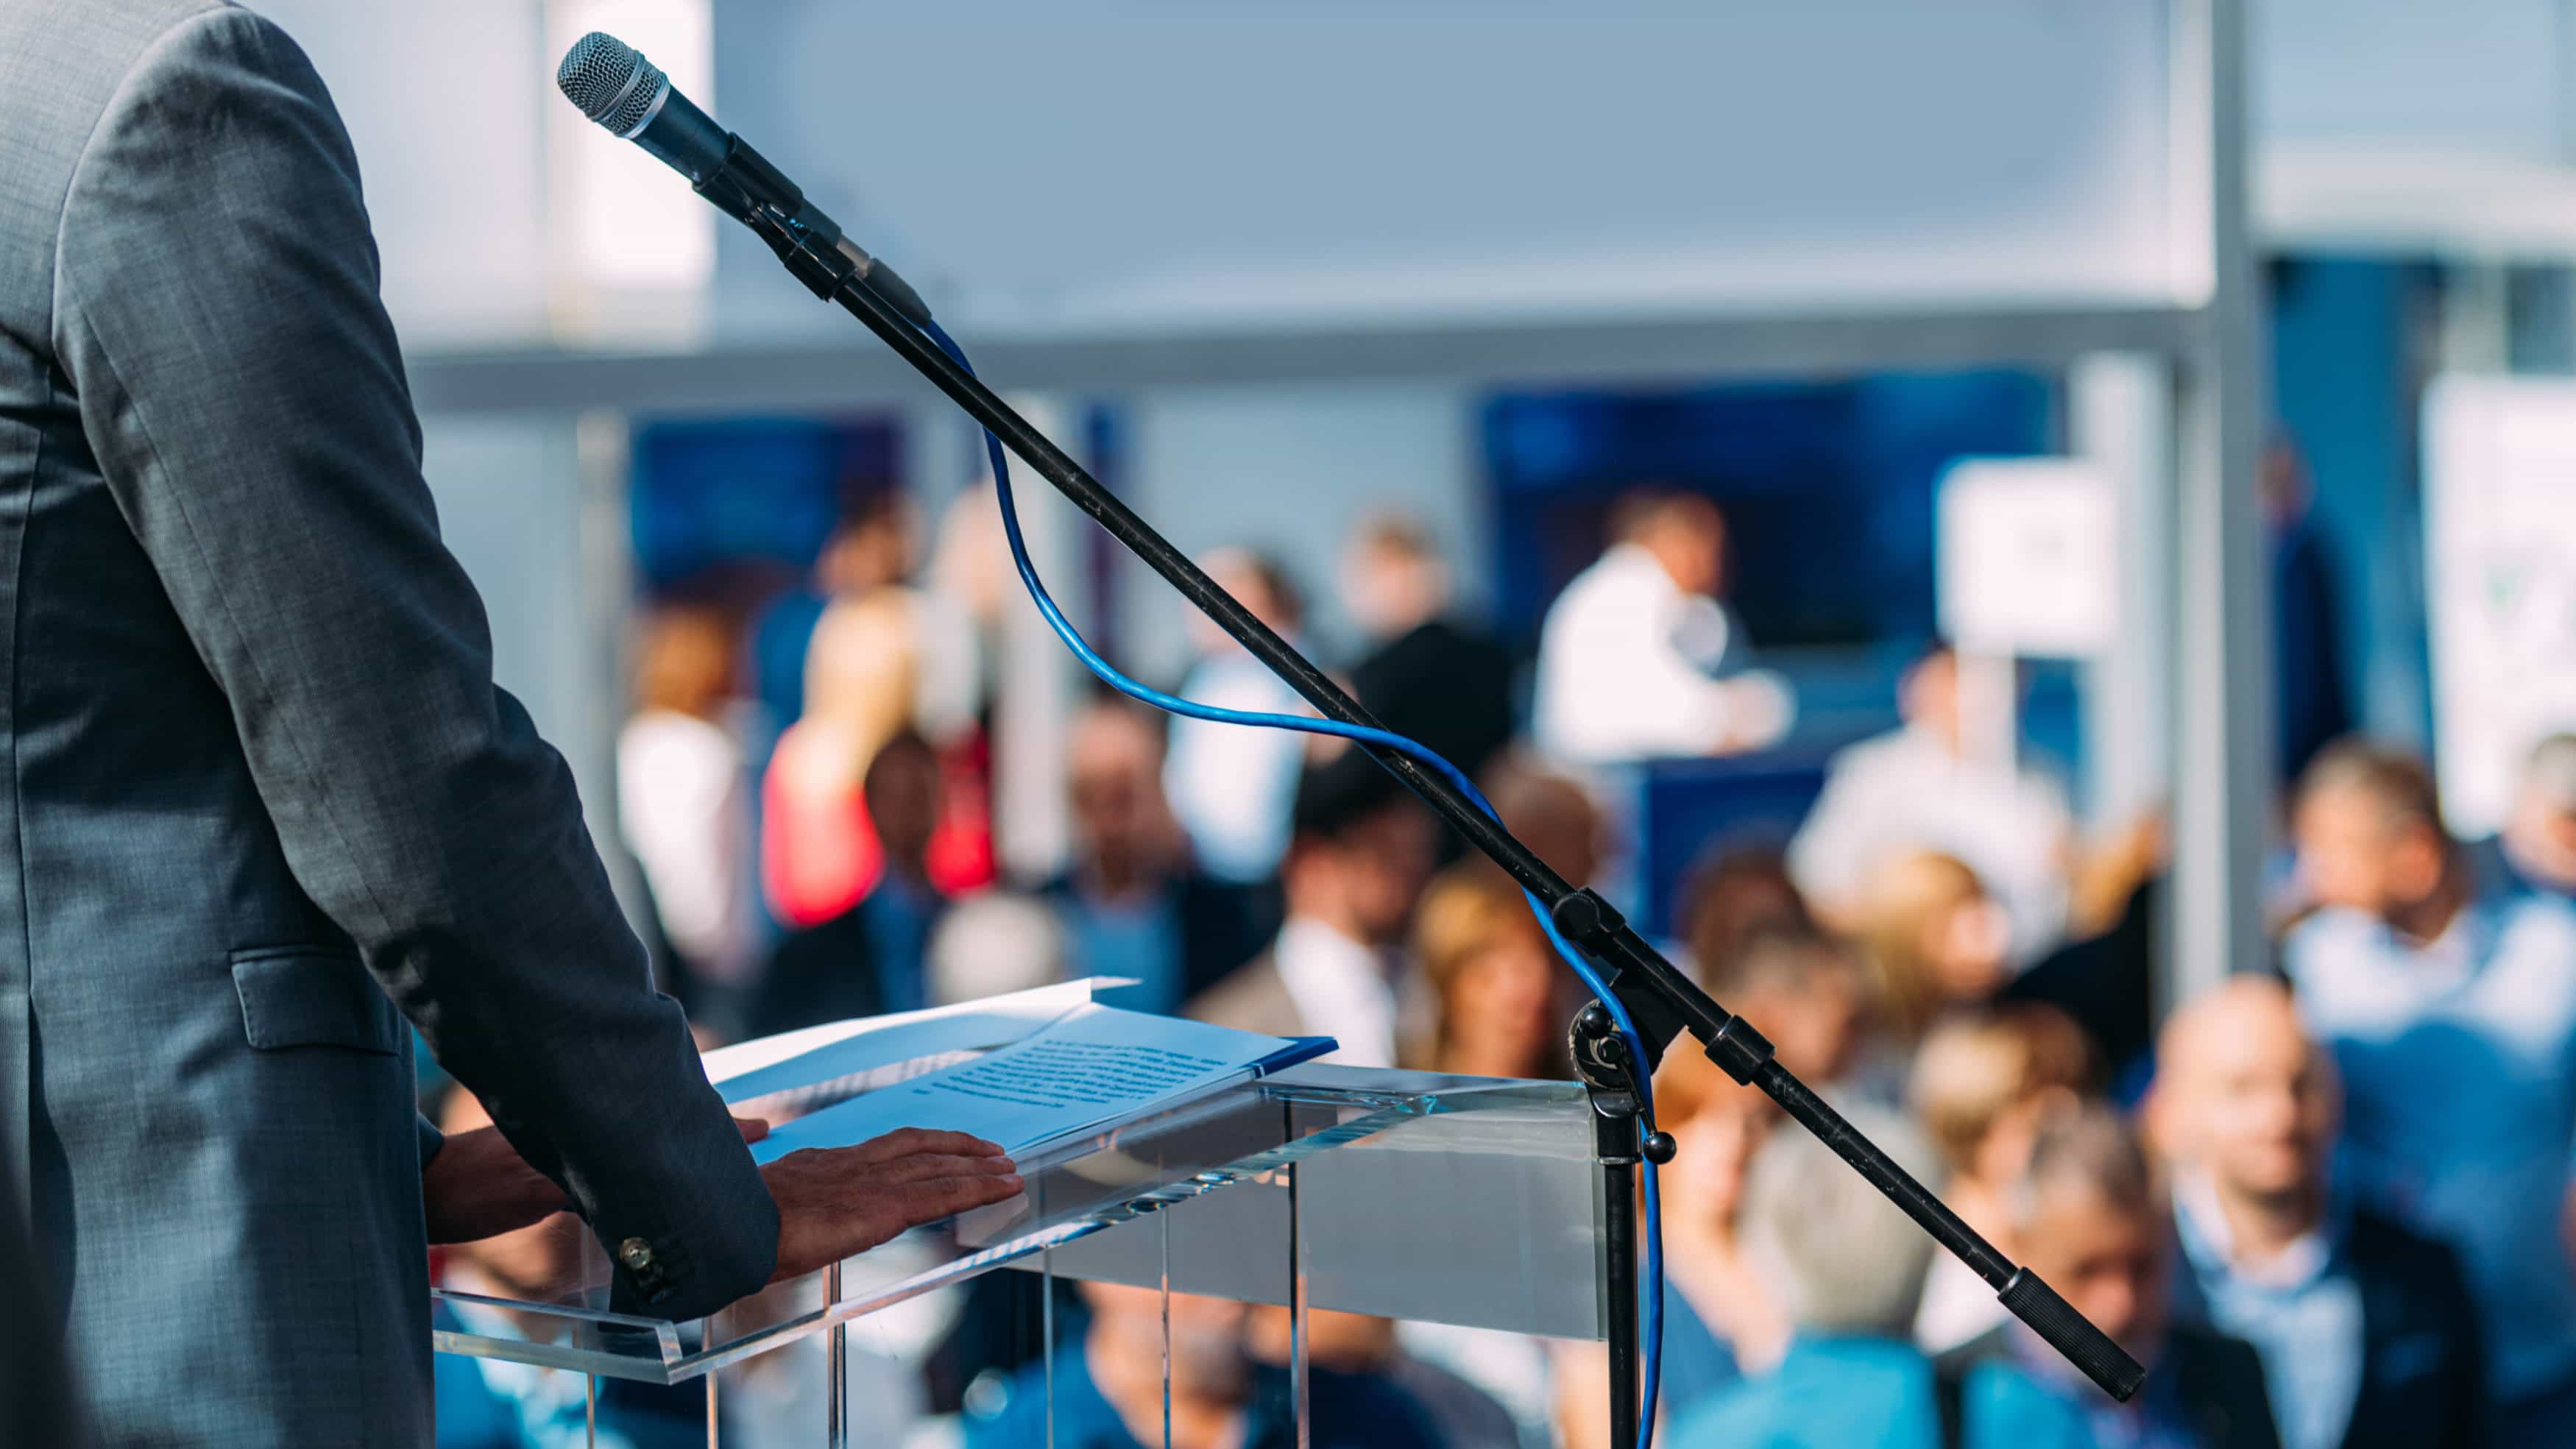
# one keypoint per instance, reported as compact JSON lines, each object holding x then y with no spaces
{"x":216,"y":314}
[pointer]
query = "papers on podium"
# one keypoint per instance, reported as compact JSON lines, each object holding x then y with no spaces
{"x":1087,"y":1067}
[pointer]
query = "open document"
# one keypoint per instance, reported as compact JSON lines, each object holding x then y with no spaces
{"x":1090,"y":1067}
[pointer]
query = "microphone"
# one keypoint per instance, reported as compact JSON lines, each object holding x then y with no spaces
{"x":612,"y":83}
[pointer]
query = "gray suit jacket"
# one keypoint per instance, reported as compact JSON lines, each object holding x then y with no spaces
{"x":261,"y":791}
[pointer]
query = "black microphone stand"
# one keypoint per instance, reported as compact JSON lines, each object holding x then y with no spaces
{"x":1659,"y":998}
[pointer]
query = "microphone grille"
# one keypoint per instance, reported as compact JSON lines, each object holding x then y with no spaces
{"x":610,"y":81}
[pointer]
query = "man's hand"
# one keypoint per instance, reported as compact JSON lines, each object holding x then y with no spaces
{"x":479,"y":1187}
{"x":834,"y":1202}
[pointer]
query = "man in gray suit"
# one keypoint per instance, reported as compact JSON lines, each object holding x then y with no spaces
{"x":262,"y":793}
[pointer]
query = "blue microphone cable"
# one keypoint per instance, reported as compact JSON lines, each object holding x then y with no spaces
{"x":1110,"y":675}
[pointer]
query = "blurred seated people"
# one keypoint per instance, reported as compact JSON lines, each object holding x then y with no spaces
{"x":1638,"y":659}
{"x":1934,"y":941}
{"x":2106,"y":980}
{"x":1358,"y":862}
{"x":1555,"y":817}
{"x":1720,"y":1322}
{"x":1106,"y":1390}
{"x":684,"y":800}
{"x":868,"y":960}
{"x":1492,"y":977}
{"x":1133,"y":902}
{"x":2453,"y":1026}
{"x":2536,"y":849}
{"x":2367,"y":1334}
{"x":1234,"y":788}
{"x":489,"y":1403}
{"x":869,"y":550}
{"x":1844,"y":1266}
{"x":1804,"y":991}
{"x":1922,"y":787}
{"x":1426,"y":675}
{"x":1983,"y":1081}
{"x":1732,"y":892}
{"x":2090,"y":1223}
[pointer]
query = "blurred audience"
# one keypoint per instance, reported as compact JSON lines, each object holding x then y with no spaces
{"x":1804,"y":991}
{"x":1492,"y":977}
{"x":1982,"y":1083}
{"x":1358,"y":862}
{"x":819,"y":850}
{"x":1134,"y":904}
{"x":1108,"y":1390}
{"x":869,"y":959}
{"x":684,"y":799}
{"x":1934,"y":940}
{"x":2366,"y":1331}
{"x":2090,"y":1223}
{"x":2536,"y":849}
{"x":2431,"y":999}
{"x":1923,"y":787}
{"x":1235,"y":788}
{"x":993,"y":943}
{"x":1638,"y":657}
{"x":1362,"y":1347}
{"x":868,"y":551}
{"x":1426,"y":674}
{"x":490,"y":1403}
{"x":1844,"y":1266}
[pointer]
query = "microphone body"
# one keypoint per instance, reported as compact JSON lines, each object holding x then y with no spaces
{"x":616,"y":86}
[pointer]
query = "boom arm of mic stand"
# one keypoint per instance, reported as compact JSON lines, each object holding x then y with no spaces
{"x":1662,"y":1001}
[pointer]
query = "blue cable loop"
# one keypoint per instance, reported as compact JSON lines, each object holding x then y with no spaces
{"x":1109,"y":674}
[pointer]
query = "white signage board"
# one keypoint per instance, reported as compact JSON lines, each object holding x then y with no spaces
{"x":2500,"y":582}
{"x":2028,"y":560}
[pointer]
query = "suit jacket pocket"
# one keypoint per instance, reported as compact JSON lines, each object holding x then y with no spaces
{"x":295,"y":996}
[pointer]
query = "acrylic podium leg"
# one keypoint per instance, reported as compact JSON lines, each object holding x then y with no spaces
{"x":836,"y":1367}
{"x":1297,"y":1400}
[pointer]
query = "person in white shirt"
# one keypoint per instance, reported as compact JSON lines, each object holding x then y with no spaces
{"x":683,"y":801}
{"x":1233,"y":788}
{"x":1921,"y":788}
{"x":1638,"y":659}
{"x":1361,"y":858}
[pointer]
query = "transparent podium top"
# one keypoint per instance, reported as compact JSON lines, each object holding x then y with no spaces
{"x":1405,"y":1195}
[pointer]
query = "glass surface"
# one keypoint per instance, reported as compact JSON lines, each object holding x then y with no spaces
{"x":1457,"y":1200}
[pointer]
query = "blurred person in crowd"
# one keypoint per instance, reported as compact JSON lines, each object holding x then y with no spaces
{"x":1425,"y":675}
{"x":1358,"y":862}
{"x":490,"y":1403}
{"x":819,"y":851}
{"x":1982,"y":1083}
{"x":2432,"y":999}
{"x":1492,"y":977}
{"x":1934,"y":941}
{"x":868,"y":960}
{"x":684,"y":801}
{"x":1923,"y":787}
{"x":2366,"y":1331}
{"x":1108,"y":1390}
{"x":1807,"y":994}
{"x":1235,"y":788}
{"x":1720,"y":1321}
{"x":1552,"y":815}
{"x":2536,"y":849}
{"x":2090,"y":1222}
{"x":1733,"y":892}
{"x":869,"y":550}
{"x":1134,"y":904}
{"x":1843,"y":1266}
{"x":993,"y":943}
{"x":1360,"y":1346}
{"x":2311,"y":705}
{"x":1638,"y":658}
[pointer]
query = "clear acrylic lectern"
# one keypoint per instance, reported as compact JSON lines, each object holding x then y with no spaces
{"x":1403,"y":1195}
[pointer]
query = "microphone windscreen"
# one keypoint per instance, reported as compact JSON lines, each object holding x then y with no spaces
{"x":610,"y":81}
